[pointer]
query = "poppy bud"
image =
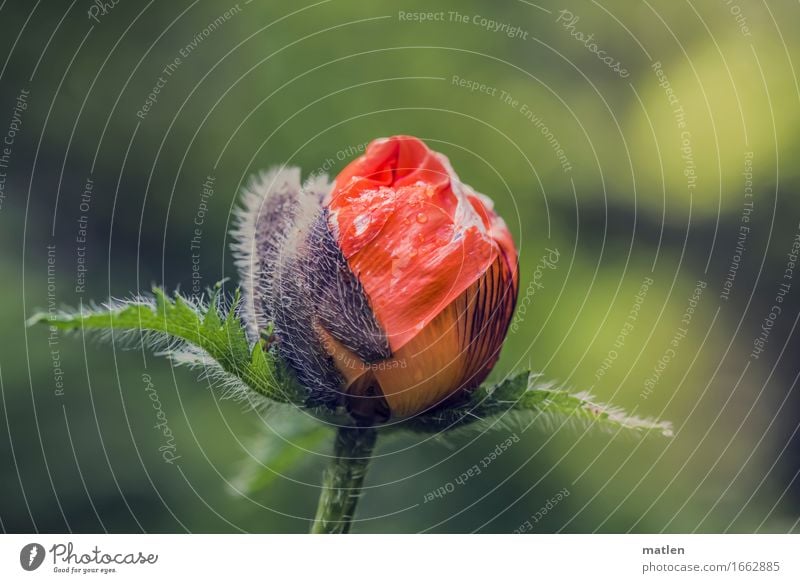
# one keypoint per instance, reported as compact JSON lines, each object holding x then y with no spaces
{"x":390,"y":290}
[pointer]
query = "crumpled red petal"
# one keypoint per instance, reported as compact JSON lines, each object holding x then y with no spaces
{"x":414,"y":235}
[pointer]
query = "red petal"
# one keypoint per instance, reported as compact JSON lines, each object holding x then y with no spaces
{"x":452,"y":354}
{"x":395,"y":161}
{"x":497,"y":231}
{"x":412,"y":233}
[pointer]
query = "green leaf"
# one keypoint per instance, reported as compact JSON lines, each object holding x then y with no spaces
{"x":214,"y":339}
{"x":207,"y":336}
{"x":522,"y":398}
{"x":278,"y":452}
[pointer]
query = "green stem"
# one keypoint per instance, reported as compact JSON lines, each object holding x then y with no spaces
{"x":342,"y":480}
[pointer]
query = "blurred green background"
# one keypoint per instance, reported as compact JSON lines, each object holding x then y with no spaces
{"x":595,"y":166}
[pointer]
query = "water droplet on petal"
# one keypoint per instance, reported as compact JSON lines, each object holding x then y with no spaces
{"x":361,"y":223}
{"x":422,"y":218}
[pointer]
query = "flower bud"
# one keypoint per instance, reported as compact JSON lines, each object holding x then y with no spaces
{"x":390,"y":290}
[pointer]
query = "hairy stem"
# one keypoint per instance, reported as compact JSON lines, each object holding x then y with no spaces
{"x":342,"y":480}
